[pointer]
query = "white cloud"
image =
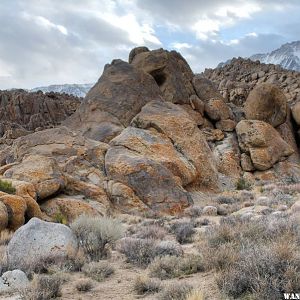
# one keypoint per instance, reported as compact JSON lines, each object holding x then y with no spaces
{"x":45,"y":23}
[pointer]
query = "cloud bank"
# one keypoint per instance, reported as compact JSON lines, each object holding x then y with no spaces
{"x":54,"y":42}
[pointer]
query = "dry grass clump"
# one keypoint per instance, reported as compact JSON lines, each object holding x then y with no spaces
{"x":167,"y":267}
{"x":96,"y":234}
{"x":195,"y":295}
{"x":5,"y":236}
{"x":176,"y":291}
{"x":144,"y":285}
{"x":84,"y":285}
{"x":255,"y":259}
{"x":98,"y":270}
{"x":3,"y":260}
{"x":7,"y":187}
{"x":183,"y":231}
{"x":43,"y":287}
{"x":155,"y":232}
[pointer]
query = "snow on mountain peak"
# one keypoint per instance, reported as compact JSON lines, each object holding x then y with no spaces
{"x":287,"y":56}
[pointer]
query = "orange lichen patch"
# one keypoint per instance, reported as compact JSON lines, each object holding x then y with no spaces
{"x":16,"y":210}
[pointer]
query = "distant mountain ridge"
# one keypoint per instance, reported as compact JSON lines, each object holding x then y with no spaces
{"x":287,"y":56}
{"x":78,"y":90}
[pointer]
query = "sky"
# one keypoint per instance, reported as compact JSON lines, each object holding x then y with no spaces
{"x":45,"y":42}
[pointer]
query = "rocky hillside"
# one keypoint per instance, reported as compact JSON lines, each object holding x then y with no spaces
{"x":77,"y":90}
{"x":159,"y":173}
{"x":287,"y":56}
{"x":147,"y":136}
{"x":22,"y":112}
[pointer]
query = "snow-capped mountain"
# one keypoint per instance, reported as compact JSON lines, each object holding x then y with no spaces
{"x":288,"y":56}
{"x":79,"y":90}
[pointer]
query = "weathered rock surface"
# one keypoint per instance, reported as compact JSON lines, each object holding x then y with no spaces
{"x":21,"y":111}
{"x":151,"y":182}
{"x":67,"y":208}
{"x":116,"y":98}
{"x":175,"y":123}
{"x":37,"y":240}
{"x":170,"y":71}
{"x":266,"y":102}
{"x":263,"y":143}
{"x":41,"y":171}
{"x":13,"y":280}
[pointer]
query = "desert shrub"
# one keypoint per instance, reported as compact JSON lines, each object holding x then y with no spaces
{"x":98,"y":270}
{"x":194,"y":211}
{"x":195,"y":295}
{"x":242,"y":184}
{"x":7,"y":187}
{"x":95,"y":234}
{"x":220,"y":258}
{"x":168,"y":248}
{"x":178,"y":291}
{"x":84,"y":285}
{"x":200,"y":222}
{"x":167,"y":267}
{"x":155,"y":232}
{"x":183,"y":231}
{"x":138,"y":251}
{"x":43,"y":287}
{"x":255,"y":258}
{"x":226,"y":200}
{"x":145,"y":285}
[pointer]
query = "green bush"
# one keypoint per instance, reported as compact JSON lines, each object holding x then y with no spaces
{"x":7,"y":187}
{"x":242,"y":184}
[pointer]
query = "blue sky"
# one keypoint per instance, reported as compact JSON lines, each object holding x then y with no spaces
{"x":46,"y":42}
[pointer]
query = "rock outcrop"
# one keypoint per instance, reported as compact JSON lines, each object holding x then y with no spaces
{"x":111,"y":104}
{"x":263,"y":143}
{"x":266,"y":102}
{"x":147,"y":137}
{"x":170,"y":71}
{"x":22,"y":112}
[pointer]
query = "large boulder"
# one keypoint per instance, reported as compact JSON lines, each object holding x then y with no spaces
{"x":266,"y":102}
{"x":116,"y":98}
{"x":16,"y":207}
{"x":263,"y":143}
{"x":175,"y":123}
{"x":151,"y":181}
{"x":38,"y":240}
{"x":170,"y":71}
{"x":158,"y":147}
{"x":41,"y":171}
{"x":205,"y":89}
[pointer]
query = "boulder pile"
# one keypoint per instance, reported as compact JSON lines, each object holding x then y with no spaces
{"x":147,"y":135}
